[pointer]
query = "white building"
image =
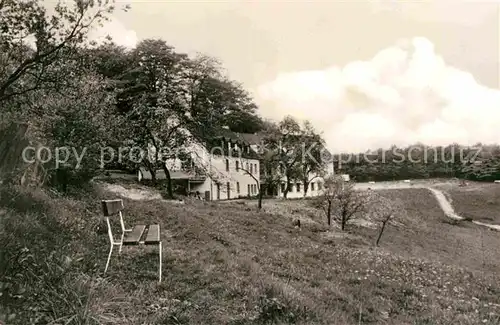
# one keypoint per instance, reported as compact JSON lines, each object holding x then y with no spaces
{"x":228,"y":167}
{"x":297,"y":187}
{"x":297,"y":190}
{"x":225,"y":168}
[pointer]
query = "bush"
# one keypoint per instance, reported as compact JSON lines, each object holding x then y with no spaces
{"x":450,"y":221}
{"x":42,"y":270}
{"x":274,"y":307}
{"x":68,"y":179}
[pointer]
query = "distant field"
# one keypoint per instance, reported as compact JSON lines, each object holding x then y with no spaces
{"x":413,"y":184}
{"x":479,"y":201}
{"x":426,"y":231}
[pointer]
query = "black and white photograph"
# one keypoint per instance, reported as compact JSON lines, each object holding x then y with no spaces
{"x":249,"y":162}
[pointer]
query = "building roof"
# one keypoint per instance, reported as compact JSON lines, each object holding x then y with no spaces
{"x":241,"y":138}
{"x":249,"y":139}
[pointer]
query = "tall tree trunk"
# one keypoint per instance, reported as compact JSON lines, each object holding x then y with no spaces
{"x":261,"y":194}
{"x":329,"y":213}
{"x":170,"y":192}
{"x":381,"y":232}
{"x":152,"y":170}
{"x":12,"y":143}
{"x":287,"y":187}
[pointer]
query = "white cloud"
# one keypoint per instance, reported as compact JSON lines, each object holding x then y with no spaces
{"x":118,"y":32}
{"x":403,"y":95}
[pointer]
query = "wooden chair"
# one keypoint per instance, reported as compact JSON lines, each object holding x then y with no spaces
{"x":141,"y":234}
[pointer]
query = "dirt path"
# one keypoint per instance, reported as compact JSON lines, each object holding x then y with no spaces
{"x":135,"y":194}
{"x":450,"y":212}
{"x":445,"y":205}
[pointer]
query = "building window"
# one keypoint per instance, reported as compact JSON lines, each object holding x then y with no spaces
{"x":312,"y":186}
{"x":237,"y":165}
{"x":227,"y":165}
{"x":238,"y":187}
{"x":298,"y":187}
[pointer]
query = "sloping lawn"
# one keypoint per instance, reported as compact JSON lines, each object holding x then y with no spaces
{"x":225,"y":263}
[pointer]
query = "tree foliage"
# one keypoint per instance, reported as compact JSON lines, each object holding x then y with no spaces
{"x":479,"y":162}
{"x":299,"y":149}
{"x":45,"y":85}
{"x":270,"y":161}
{"x":285,"y":139}
{"x":24,"y":65}
{"x":170,"y":99}
{"x":72,"y":93}
{"x":313,"y":164}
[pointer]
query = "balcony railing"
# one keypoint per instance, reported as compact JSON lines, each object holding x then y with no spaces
{"x":195,"y":173}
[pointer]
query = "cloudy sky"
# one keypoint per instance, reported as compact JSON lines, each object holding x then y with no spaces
{"x":366,"y":73}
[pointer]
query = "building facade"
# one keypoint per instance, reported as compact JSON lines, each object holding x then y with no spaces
{"x":229,"y":167}
{"x":222,"y":169}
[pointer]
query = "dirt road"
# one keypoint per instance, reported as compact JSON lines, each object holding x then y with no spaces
{"x":445,"y":205}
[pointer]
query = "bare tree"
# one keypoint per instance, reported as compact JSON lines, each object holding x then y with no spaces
{"x":340,"y":195}
{"x":383,"y":210}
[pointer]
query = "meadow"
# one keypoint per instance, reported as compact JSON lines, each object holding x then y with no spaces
{"x":226,"y":263}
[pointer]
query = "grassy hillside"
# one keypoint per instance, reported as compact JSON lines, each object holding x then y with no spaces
{"x":225,"y":263}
